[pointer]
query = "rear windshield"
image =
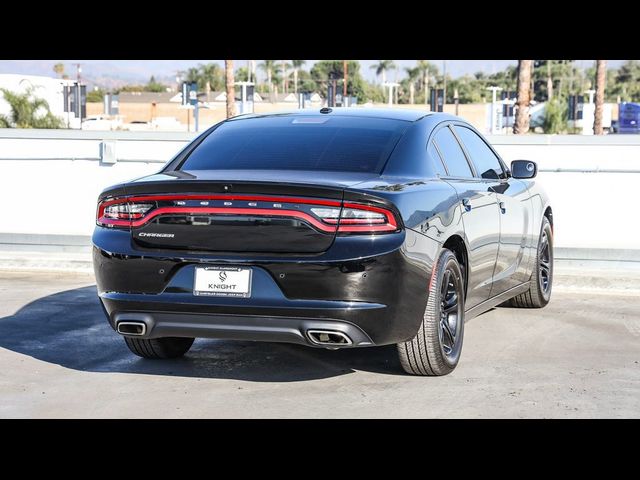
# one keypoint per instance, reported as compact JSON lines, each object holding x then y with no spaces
{"x":346,"y":144}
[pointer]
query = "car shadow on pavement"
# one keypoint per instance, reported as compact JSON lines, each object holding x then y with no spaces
{"x":69,"y":329}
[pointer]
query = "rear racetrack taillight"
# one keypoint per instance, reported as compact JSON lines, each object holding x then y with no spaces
{"x":328,"y":216}
{"x":127,"y":211}
{"x":358,"y":218}
{"x":120,"y":213}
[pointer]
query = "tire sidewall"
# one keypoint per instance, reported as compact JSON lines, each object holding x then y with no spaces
{"x":545,"y":296}
{"x":448,"y":261}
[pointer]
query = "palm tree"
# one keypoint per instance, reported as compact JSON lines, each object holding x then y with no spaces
{"x":58,"y":68}
{"x":283,"y":70}
{"x":601,"y":81}
{"x":191,"y":75}
{"x":231,"y":88}
{"x":382,"y":67}
{"x":26,"y":111}
{"x":268,"y":66}
{"x":428,"y":70}
{"x":549,"y":81}
{"x":525,"y":68}
{"x":210,"y":77}
{"x":413,"y":74}
{"x":296,"y":66}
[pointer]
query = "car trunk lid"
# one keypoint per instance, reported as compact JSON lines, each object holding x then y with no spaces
{"x":233,"y":211}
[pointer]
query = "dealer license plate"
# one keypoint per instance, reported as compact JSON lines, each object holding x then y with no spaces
{"x":222,"y":282}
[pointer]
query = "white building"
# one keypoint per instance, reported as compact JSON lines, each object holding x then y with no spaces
{"x":47,"y":88}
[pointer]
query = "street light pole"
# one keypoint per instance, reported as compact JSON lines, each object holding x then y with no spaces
{"x":494,"y":91}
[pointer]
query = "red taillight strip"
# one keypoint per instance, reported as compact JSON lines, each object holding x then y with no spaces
{"x":257,"y":198}
{"x":391,"y":224}
{"x":354,"y":221}
{"x":346,"y":225}
{"x":263,"y":212}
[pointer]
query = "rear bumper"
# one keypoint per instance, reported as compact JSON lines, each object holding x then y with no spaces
{"x":375,"y":299}
{"x":243,"y":327}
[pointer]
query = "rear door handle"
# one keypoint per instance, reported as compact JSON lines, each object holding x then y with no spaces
{"x":503,"y":209}
{"x":466,"y":203}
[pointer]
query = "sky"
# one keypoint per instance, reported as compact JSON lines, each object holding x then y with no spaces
{"x":98,"y":71}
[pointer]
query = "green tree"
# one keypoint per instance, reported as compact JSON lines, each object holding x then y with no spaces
{"x":154,"y":86}
{"x":130,"y":88}
{"x":27,"y":111}
{"x":283,"y":69}
{"x":210,"y":77}
{"x":382,"y":67}
{"x":95,"y":95}
{"x":242,"y":74}
{"x":555,"y":116}
{"x":427,"y":70}
{"x":324,"y":69}
{"x":306,"y":84}
{"x":191,"y":75}
{"x":268,"y":67}
{"x":552,"y":78}
{"x":409,"y":83}
{"x":625,"y":82}
{"x":58,"y":68}
{"x":296,"y":64}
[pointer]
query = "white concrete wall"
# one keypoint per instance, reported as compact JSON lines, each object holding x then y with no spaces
{"x":49,"y":180}
{"x":593,"y":184}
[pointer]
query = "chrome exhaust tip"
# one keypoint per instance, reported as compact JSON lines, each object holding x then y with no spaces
{"x":329,"y":338}
{"x":134,"y":329}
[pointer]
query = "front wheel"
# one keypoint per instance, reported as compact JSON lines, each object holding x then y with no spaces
{"x":159,"y":348}
{"x":436,"y":348}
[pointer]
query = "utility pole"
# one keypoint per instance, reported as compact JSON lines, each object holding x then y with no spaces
{"x":78,"y":72}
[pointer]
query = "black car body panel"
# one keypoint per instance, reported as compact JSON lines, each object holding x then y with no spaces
{"x":307,"y":272}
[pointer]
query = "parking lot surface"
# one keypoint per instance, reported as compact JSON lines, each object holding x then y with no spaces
{"x":577,"y":358}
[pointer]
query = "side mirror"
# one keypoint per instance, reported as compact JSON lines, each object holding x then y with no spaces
{"x":523,"y":169}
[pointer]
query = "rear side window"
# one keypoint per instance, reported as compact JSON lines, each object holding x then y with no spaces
{"x":452,"y":152}
{"x":437,"y":160}
{"x":485,"y":161}
{"x":286,"y":142}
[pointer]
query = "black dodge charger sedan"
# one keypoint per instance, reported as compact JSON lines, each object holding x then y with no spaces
{"x":335,"y":228}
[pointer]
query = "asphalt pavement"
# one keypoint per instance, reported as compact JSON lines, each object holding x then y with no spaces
{"x":577,"y":358}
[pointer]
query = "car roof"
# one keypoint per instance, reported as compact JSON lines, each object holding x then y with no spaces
{"x":406,"y":114}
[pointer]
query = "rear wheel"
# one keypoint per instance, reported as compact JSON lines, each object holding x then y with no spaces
{"x":436,"y":348}
{"x":539,"y":291}
{"x":156,"y":348}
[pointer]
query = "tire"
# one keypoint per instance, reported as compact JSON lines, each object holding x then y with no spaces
{"x":539,"y":292}
{"x":435,"y":350}
{"x":159,"y":348}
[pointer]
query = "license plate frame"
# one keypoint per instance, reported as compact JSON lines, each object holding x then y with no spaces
{"x":215,"y":276}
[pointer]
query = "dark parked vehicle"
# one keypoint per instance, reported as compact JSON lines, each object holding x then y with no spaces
{"x":628,"y":118}
{"x":331,"y":228}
